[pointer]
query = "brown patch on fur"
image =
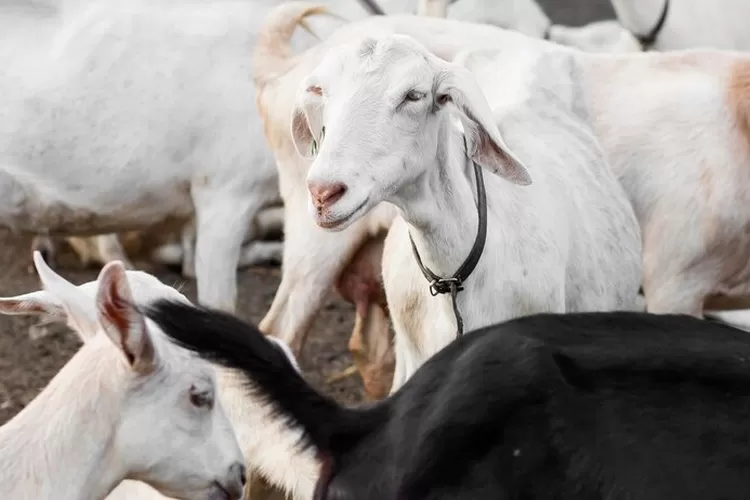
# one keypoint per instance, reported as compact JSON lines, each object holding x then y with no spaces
{"x":738,"y":94}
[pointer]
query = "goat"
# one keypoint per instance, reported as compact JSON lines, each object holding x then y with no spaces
{"x":527,"y":17}
{"x":580,"y":405}
{"x":314,"y":260}
{"x":263,"y":444}
{"x":306,"y":273}
{"x":685,"y":24}
{"x":128,"y":405}
{"x":566,"y":241}
{"x":676,"y":129}
{"x":612,"y":85}
{"x":177,"y":150}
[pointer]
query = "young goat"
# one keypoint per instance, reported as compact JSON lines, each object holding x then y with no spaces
{"x":263,"y":441}
{"x":587,"y":405}
{"x":127,"y":405}
{"x":568,"y":241}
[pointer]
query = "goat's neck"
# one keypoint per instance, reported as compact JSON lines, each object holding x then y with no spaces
{"x":441,"y":208}
{"x":59,"y":446}
{"x":268,"y":443}
{"x":638,"y":16}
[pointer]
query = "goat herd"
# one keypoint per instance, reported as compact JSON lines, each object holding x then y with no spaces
{"x":559,"y":217}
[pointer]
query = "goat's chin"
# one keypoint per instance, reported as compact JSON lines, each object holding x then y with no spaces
{"x":341,"y":219}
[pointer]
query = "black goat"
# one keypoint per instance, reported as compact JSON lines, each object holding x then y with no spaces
{"x":578,"y":406}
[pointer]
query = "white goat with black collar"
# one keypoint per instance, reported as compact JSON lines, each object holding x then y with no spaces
{"x":561,"y":234}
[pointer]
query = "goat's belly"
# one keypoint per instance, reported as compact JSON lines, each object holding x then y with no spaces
{"x":65,"y":220}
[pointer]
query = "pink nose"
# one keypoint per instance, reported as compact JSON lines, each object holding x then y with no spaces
{"x":325,"y":195}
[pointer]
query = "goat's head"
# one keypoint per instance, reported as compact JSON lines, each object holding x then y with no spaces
{"x":171,"y":431}
{"x":375,"y":116}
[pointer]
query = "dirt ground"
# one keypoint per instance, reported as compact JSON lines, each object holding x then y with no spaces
{"x":27,"y":365}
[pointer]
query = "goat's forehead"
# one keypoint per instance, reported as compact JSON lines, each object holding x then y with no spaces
{"x":181,"y":363}
{"x":394,"y":56}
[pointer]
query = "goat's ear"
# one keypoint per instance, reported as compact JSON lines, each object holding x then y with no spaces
{"x":60,"y":300}
{"x":121,"y":320}
{"x":39,"y":303}
{"x":483,"y":140}
{"x":307,"y":125}
{"x":301,"y":134}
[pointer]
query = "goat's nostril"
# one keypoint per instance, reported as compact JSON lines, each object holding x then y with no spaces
{"x":324,"y":195}
{"x":239,"y":472}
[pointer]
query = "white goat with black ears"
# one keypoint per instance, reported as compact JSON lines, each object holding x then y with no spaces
{"x":380,"y":115}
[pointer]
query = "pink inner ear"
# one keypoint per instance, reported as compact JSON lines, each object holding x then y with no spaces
{"x":22,"y":307}
{"x":115,"y":310}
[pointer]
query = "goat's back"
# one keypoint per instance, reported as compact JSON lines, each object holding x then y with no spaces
{"x":597,"y":405}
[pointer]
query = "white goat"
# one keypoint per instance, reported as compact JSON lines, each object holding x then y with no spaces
{"x":641,"y":106}
{"x":527,"y":17}
{"x":129,"y":404}
{"x":264,"y":438}
{"x":676,"y":128}
{"x":313,"y":260}
{"x":568,"y":241}
{"x":137,"y":122}
{"x":720,"y":24}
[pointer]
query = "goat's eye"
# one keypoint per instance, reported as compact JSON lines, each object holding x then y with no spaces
{"x":414,"y":96}
{"x":442,"y":99}
{"x":201,"y":399}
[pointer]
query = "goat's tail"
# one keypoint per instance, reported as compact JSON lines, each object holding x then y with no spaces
{"x":272,"y":49}
{"x":223,"y":339}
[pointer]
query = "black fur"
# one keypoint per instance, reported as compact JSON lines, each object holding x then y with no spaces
{"x":578,"y":406}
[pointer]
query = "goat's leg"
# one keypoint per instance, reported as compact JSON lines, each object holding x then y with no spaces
{"x":187,"y":242}
{"x":221,"y":222}
{"x":111,"y":249}
{"x":261,"y":252}
{"x":269,"y":220}
{"x":312,"y":260}
{"x":254,"y":252}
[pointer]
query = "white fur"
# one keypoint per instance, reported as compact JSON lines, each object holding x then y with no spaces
{"x":561,"y":233}
{"x":121,"y":407}
{"x":180,"y":140}
{"x":266,"y":442}
{"x":720,"y":24}
{"x":313,"y":258}
{"x":527,"y":17}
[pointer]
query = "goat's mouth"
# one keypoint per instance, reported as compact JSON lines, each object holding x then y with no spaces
{"x":343,"y":222}
{"x":219,"y":492}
